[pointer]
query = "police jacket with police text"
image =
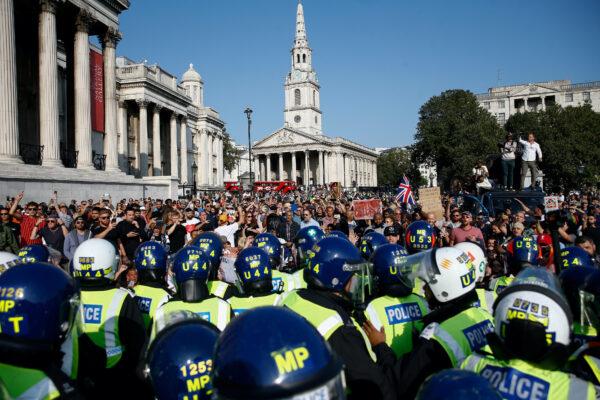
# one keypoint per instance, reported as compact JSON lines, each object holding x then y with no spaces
{"x":364,"y":378}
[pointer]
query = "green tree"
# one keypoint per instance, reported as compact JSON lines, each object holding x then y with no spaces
{"x":231,"y":155}
{"x":454,"y":132}
{"x":568,"y":138}
{"x":394,"y":163}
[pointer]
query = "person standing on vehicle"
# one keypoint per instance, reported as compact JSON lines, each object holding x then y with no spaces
{"x":531,"y":149}
{"x":508,"y":149}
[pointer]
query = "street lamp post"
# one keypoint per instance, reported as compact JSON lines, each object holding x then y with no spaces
{"x":194,"y":171}
{"x":248,"y":112}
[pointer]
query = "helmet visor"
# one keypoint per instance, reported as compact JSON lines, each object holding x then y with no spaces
{"x":334,"y":389}
{"x":361,"y":282}
{"x":539,"y":277}
{"x":420,"y":265}
{"x":590,"y":309}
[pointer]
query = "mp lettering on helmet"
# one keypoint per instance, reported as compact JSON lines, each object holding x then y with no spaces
{"x":144,"y":304}
{"x":197,"y":375}
{"x":514,"y":384}
{"x":401,"y":313}
{"x":290,"y":360}
{"x":92,"y":313}
{"x":526,"y":310}
{"x":476,"y":334}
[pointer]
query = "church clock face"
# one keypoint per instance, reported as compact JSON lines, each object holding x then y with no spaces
{"x":297,"y":119}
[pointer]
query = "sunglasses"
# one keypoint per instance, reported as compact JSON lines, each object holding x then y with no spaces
{"x":32,"y":209}
{"x":51,"y":221}
{"x":3,"y":213}
{"x":101,"y":218}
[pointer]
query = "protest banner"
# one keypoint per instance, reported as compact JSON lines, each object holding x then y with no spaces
{"x":551,"y":203}
{"x":366,"y":209}
{"x":430,"y":200}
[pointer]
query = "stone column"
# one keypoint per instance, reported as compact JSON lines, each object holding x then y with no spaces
{"x":326,"y":160}
{"x":306,"y":167}
{"x":375,"y":174}
{"x":293,"y":175}
{"x":209,"y":171}
{"x":256,"y":168}
{"x":143,"y":146}
{"x":347,"y":180}
{"x":83,"y":101}
{"x":220,"y":174}
{"x":340,"y":169}
{"x":173,"y":146}
{"x":320,"y":168}
{"x":123,"y":139}
{"x":9,"y":121}
{"x":156,"y":156}
{"x":48,"y":81}
{"x":268,"y":172}
{"x":280,"y":172}
{"x":203,"y":151}
{"x":183,"y":152}
{"x":109,"y":44}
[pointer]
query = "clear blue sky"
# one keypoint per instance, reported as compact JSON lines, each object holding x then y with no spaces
{"x":378,"y":61}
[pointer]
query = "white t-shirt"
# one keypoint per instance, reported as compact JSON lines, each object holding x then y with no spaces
{"x":228,"y":231}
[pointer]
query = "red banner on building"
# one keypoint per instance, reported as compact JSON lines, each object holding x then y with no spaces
{"x":97,"y":88}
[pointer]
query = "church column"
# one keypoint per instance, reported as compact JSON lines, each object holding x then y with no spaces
{"x":48,"y":81}
{"x":375,"y":173}
{"x":220,"y":175}
{"x":340,"y":169}
{"x":320,"y":168}
{"x":123,"y":139}
{"x":143,"y":145}
{"x":268,"y":172}
{"x":173,"y":146}
{"x":346,"y":171}
{"x":256,"y":167}
{"x":293,"y":174}
{"x":9,"y":121}
{"x":183,"y":152}
{"x":203,"y":150}
{"x":306,"y":167}
{"x":327,"y":161}
{"x":280,"y":172}
{"x":156,"y":156}
{"x":83,"y":123}
{"x":109,"y":43}
{"x":209,"y":143}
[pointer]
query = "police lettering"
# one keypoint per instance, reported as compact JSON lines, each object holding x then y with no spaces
{"x":290,"y":360}
{"x":513,"y":384}
{"x":197,"y":376}
{"x":92,"y":313}
{"x":401,"y":313}
{"x":144,"y":304}
{"x":476,"y":334}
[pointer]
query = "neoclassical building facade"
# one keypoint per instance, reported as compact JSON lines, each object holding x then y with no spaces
{"x":78,"y":119}
{"x":299,"y":150}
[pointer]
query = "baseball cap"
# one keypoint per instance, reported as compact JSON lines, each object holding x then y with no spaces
{"x":467,"y":213}
{"x":390,"y":231}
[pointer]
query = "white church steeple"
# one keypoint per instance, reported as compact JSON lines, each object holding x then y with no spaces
{"x":302,"y":103}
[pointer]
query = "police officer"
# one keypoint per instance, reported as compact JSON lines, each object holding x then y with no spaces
{"x":255,"y":281}
{"x":585,"y":361}
{"x":370,"y":242}
{"x":454,"y":328}
{"x":420,"y":236}
{"x":113,"y":328}
{"x":38,"y":332}
{"x":338,"y":234}
{"x":531,"y":342}
{"x":180,"y":357}
{"x":305,"y":239}
{"x":337,"y":278}
{"x":210,"y":243}
{"x":457,"y":384}
{"x":575,"y":257}
{"x":396,"y":309}
{"x":282,"y":282}
{"x":521,"y":252}
{"x":479,"y":260}
{"x":190,"y":267}
{"x":254,"y":361}
{"x":150,"y":260}
{"x":34,"y":253}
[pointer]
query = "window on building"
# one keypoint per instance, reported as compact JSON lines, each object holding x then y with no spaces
{"x":314,"y":97}
{"x":297,"y":97}
{"x":501,"y":104}
{"x":486,"y":105}
{"x":586,"y":96}
{"x":568,"y":97}
{"x":303,"y":58}
{"x":501,"y":118}
{"x":298,"y":58}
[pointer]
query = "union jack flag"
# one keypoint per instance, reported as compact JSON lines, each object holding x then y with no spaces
{"x":405,"y":192}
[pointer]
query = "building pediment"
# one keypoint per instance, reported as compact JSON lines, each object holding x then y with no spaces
{"x":287,"y":137}
{"x":533,"y":90}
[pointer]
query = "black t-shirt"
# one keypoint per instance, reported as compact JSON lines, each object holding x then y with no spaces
{"x":111,"y":236}
{"x":176,"y":238}
{"x":129,"y":243}
{"x":54,"y":238}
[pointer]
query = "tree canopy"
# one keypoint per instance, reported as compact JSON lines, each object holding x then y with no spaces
{"x":454,"y":132}
{"x":567,"y":137}
{"x":394,"y":163}
{"x":231,"y":155}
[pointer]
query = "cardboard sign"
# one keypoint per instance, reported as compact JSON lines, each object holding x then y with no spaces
{"x":430,"y":200}
{"x":551,"y":203}
{"x":366,"y":209}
